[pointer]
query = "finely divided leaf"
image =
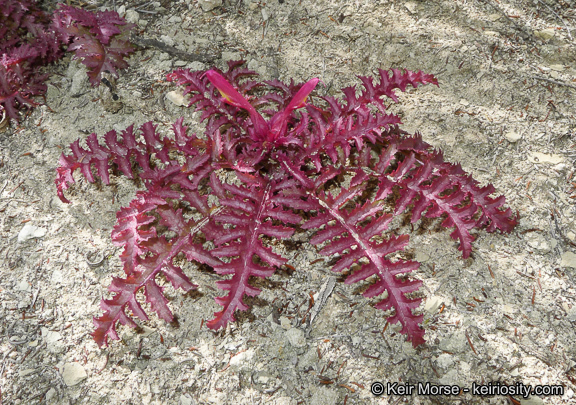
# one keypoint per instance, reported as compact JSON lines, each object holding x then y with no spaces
{"x":351,"y":238}
{"x":100,"y":40}
{"x":249,"y":209}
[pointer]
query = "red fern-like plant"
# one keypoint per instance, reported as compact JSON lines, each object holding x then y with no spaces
{"x":101,"y":40}
{"x":344,"y":162}
{"x":26,"y":44}
{"x":31,"y":38}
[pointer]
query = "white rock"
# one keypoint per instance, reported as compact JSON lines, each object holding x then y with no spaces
{"x":50,"y":336}
{"x":208,"y":5}
{"x":533,"y":400}
{"x":570,"y":312}
{"x":411,"y":7}
{"x":252,"y":64}
{"x":132,"y":16}
{"x":197,"y":66}
{"x":558,"y":68}
{"x":73,"y":374}
{"x":445,"y":360}
{"x":25,"y":372}
{"x":422,"y":256}
{"x":450,"y":378}
{"x":454,"y":343}
{"x":308,"y":359}
{"x":555,"y":75}
{"x":30,"y":232}
{"x":284,"y":401}
{"x":285,"y":323}
{"x":545,"y":34}
{"x":296,"y":337}
{"x":50,"y":394}
{"x":57,"y":277}
{"x":537,"y":157}
{"x":538,"y":242}
{"x":568,"y":260}
{"x":177,"y":98}
{"x":432,"y":304}
{"x":168,"y":40}
{"x":242,"y":360}
{"x":23,"y":286}
{"x":265,"y":14}
{"x":231,"y":55}
{"x":186,"y":400}
{"x":507,"y":309}
{"x":513,"y":136}
{"x":73,"y":68}
{"x":79,"y":82}
{"x":560,"y":167}
{"x":146,"y":331}
{"x":121,"y":10}
{"x":324,"y":396}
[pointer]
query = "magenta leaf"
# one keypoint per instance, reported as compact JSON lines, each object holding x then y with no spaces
{"x":143,"y":277}
{"x":32,"y":38}
{"x":100,"y":40}
{"x":249,"y":209}
{"x":353,"y":242}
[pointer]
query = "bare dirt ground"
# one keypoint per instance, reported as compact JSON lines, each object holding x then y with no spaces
{"x":504,"y":109}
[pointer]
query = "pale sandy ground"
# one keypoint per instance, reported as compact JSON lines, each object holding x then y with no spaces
{"x":504,"y":109}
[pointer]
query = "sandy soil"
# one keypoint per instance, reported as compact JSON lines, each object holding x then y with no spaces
{"x":504,"y":109}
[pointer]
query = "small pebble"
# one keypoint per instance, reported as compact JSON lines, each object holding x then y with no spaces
{"x":73,"y":374}
{"x":296,"y":337}
{"x":568,"y":260}
{"x":132,"y":16}
{"x":176,"y":98}
{"x":168,"y":40}
{"x":208,"y":5}
{"x":30,"y":232}
{"x":545,"y":34}
{"x":265,"y":14}
{"x":513,"y":136}
{"x":50,"y":394}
